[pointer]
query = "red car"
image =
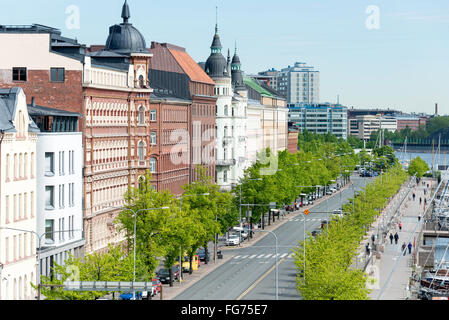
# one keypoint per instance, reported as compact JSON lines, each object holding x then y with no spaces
{"x":157,"y":284}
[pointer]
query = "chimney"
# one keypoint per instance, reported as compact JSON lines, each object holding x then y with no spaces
{"x":436,"y":109}
{"x":32,"y":102}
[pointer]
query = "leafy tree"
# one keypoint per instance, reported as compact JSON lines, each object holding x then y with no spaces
{"x":418,"y":166}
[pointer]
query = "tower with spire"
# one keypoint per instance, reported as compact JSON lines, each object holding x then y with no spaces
{"x":237,"y":73}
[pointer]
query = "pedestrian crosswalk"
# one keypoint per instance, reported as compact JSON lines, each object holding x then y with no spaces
{"x":264,"y":256}
{"x":307,"y":219}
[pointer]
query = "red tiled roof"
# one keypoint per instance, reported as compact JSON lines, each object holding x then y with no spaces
{"x":162,"y":59}
{"x":190,"y":67}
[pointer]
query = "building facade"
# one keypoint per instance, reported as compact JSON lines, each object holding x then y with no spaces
{"x":59,"y":188}
{"x":364,"y":126}
{"x":18,"y":138}
{"x":320,"y":119}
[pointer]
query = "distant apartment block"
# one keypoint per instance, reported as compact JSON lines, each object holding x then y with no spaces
{"x":362,"y":126}
{"x":320,"y":118}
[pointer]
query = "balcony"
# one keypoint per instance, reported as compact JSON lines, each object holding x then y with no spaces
{"x":227,"y":140}
{"x":225,"y":162}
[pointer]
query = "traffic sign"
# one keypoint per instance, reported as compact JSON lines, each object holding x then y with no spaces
{"x":306,"y":212}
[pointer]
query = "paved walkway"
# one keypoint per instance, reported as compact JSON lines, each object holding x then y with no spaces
{"x":381,"y":265}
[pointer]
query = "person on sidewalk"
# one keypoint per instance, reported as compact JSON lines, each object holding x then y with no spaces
{"x":420,"y":200}
{"x":404,"y":246}
{"x":413,"y":196}
{"x":419,"y":217}
{"x":396,"y":238}
{"x":425,"y":201}
{"x":373,"y":238}
{"x":368,"y":249}
{"x":400,"y":226}
{"x":410,"y":248}
{"x":391,"y":238}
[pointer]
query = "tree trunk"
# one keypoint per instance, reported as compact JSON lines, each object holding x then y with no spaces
{"x":206,"y":253}
{"x":170,"y":272}
{"x":190,"y":264}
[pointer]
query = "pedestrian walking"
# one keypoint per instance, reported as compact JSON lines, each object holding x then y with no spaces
{"x":373,"y":238}
{"x":427,"y":186}
{"x":410,"y":248}
{"x":413,"y":196}
{"x":419,"y":217}
{"x":396,"y":238}
{"x":368,"y":249}
{"x":424,"y":191}
{"x":391,"y":238}
{"x":400,"y":226}
{"x":420,"y":200}
{"x":404,"y":246}
{"x":425,"y":201}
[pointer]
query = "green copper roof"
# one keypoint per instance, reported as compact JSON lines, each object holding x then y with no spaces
{"x":256,"y":86}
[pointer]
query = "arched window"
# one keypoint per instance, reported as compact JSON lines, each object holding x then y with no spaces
{"x":141,"y":150}
{"x":141,"y":182}
{"x":141,"y":82}
{"x":141,"y":115}
{"x":225,"y":110}
{"x":153,"y":164}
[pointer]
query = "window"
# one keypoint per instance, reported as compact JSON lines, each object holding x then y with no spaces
{"x":141,"y":81}
{"x":49,"y":198}
{"x":15,"y":166}
{"x":61,"y":196}
{"x":225,"y":110}
{"x":71,"y":194}
{"x":6,"y":209}
{"x":57,"y":74}
{"x":7,"y":249}
{"x":152,"y":165}
{"x":19,"y":74}
{"x":49,"y":164}
{"x":153,"y":137}
{"x":142,"y":115}
{"x":153,"y":115}
{"x":49,"y":228}
{"x":61,"y":163}
{"x":225,"y":176}
{"x":61,"y":229}
{"x":7,"y":167}
{"x":141,"y":151}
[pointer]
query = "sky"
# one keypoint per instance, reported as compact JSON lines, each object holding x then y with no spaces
{"x":370,"y":53}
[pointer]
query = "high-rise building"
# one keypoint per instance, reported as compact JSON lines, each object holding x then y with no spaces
{"x":320,"y":118}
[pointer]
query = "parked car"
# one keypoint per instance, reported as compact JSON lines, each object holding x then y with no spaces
{"x":338,"y":213}
{"x":146,"y":294}
{"x":233,"y":240}
{"x":328,"y":192}
{"x":202,"y":254}
{"x":157,"y":285}
{"x":306,"y":202}
{"x":129,"y":296}
{"x":164,"y":274}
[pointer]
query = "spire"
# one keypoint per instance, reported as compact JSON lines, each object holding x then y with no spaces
{"x":216,"y":20}
{"x":235,"y":51}
{"x":125,"y":12}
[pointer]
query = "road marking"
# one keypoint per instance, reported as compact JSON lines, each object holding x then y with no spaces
{"x":245,"y":257}
{"x":258,"y":280}
{"x":290,"y":255}
{"x":284,"y":255}
{"x":252,"y":256}
{"x":261,"y":256}
{"x":236,"y":257}
{"x":268,"y":255}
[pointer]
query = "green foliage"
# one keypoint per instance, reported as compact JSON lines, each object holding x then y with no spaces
{"x":329,"y":256}
{"x":114,"y":265}
{"x":418,"y":166}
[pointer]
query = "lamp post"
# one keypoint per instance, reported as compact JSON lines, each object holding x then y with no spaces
{"x":135,"y":212}
{"x":38,"y":252}
{"x":275,"y":260}
{"x":240,"y":207}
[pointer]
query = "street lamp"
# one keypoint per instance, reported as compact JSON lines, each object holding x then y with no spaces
{"x":275,"y":256}
{"x":38,"y":252}
{"x":240,"y":207}
{"x":134,"y":245}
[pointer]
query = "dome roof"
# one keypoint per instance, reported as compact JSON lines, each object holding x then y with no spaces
{"x":124,"y":38}
{"x":216,"y":65}
{"x":236,"y":73}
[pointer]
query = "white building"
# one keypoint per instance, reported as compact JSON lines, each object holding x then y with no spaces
{"x":363,"y":126}
{"x":230,"y":152}
{"x":320,"y":118}
{"x":59,"y":164}
{"x":18,"y":139}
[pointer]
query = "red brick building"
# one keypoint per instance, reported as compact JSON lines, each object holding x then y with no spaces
{"x":201,"y":112}
{"x":293,"y":140}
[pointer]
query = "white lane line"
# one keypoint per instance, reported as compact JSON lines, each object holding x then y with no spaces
{"x":268,"y":255}
{"x":252,"y":256}
{"x":245,"y":257}
{"x":261,"y":256}
{"x":236,"y":257}
{"x":284,"y":255}
{"x":290,"y":255}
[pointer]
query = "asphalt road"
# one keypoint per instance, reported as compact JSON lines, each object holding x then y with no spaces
{"x":250,"y":274}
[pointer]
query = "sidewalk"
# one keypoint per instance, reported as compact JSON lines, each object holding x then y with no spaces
{"x":381,"y":269}
{"x":169,"y":293}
